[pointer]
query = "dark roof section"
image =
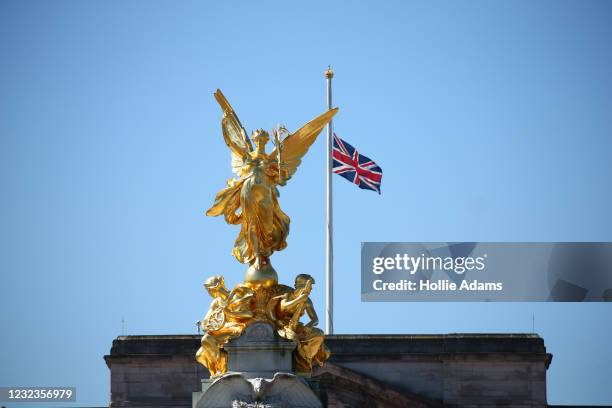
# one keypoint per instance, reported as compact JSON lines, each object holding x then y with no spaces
{"x":348,"y":346}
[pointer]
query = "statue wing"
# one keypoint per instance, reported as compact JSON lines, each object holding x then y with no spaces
{"x":233,"y":133}
{"x":295,"y":146}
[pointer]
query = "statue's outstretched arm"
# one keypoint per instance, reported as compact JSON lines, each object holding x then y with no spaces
{"x":290,"y":304}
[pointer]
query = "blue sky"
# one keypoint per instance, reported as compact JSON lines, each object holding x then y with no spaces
{"x":491,"y":121}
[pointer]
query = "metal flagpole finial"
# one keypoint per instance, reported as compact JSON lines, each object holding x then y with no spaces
{"x":329,"y":73}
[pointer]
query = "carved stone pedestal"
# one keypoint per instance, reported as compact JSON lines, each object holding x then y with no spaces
{"x":259,"y":375}
{"x":234,"y":390}
{"x":259,"y":352}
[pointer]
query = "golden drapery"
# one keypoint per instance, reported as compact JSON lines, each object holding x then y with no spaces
{"x":252,"y":201}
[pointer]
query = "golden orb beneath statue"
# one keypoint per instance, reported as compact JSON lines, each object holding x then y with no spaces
{"x":262,"y":276}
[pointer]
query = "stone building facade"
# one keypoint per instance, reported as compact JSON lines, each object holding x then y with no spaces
{"x":452,"y":370}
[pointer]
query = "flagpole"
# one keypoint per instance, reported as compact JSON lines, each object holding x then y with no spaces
{"x":329,"y":255}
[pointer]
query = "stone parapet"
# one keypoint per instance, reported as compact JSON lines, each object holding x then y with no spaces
{"x":428,"y":370}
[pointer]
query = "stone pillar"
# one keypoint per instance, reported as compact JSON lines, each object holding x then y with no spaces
{"x":259,"y":352}
{"x":259,"y":375}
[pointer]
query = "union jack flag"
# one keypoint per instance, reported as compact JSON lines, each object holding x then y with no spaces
{"x":356,"y":167}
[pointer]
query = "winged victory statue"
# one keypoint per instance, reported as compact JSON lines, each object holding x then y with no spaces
{"x":250,"y":199}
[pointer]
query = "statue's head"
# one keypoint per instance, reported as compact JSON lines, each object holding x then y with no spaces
{"x":302,"y":279}
{"x":214,"y":284}
{"x":260,"y":137}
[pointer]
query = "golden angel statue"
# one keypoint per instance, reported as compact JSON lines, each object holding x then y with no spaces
{"x":251,"y":199}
